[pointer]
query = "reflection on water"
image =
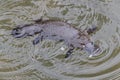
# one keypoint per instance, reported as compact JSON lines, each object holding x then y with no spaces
{"x":20,"y":60}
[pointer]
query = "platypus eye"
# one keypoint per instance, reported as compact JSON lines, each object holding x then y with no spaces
{"x":16,"y":31}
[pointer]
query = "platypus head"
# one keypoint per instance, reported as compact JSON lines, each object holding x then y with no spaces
{"x":18,"y":32}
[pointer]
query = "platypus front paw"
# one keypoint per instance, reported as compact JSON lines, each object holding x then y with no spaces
{"x":36,"y":41}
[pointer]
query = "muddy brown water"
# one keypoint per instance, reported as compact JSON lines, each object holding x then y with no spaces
{"x":20,"y":60}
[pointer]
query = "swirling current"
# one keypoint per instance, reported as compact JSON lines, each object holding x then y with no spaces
{"x":20,"y":60}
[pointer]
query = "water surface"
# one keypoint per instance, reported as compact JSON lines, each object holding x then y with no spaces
{"x":20,"y":60}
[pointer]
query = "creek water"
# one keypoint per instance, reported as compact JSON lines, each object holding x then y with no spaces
{"x":21,"y":60}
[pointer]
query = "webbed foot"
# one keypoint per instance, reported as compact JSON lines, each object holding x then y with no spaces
{"x":69,"y":52}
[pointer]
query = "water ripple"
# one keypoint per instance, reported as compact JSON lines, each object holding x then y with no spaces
{"x":20,"y":60}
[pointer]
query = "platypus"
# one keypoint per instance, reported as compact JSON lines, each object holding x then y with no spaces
{"x":58,"y":31}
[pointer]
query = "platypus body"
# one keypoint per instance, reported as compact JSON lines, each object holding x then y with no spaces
{"x":58,"y":31}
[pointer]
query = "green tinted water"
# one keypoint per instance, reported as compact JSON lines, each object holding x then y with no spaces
{"x":20,"y":60}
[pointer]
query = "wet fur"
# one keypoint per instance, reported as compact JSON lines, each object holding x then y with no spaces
{"x":55,"y":30}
